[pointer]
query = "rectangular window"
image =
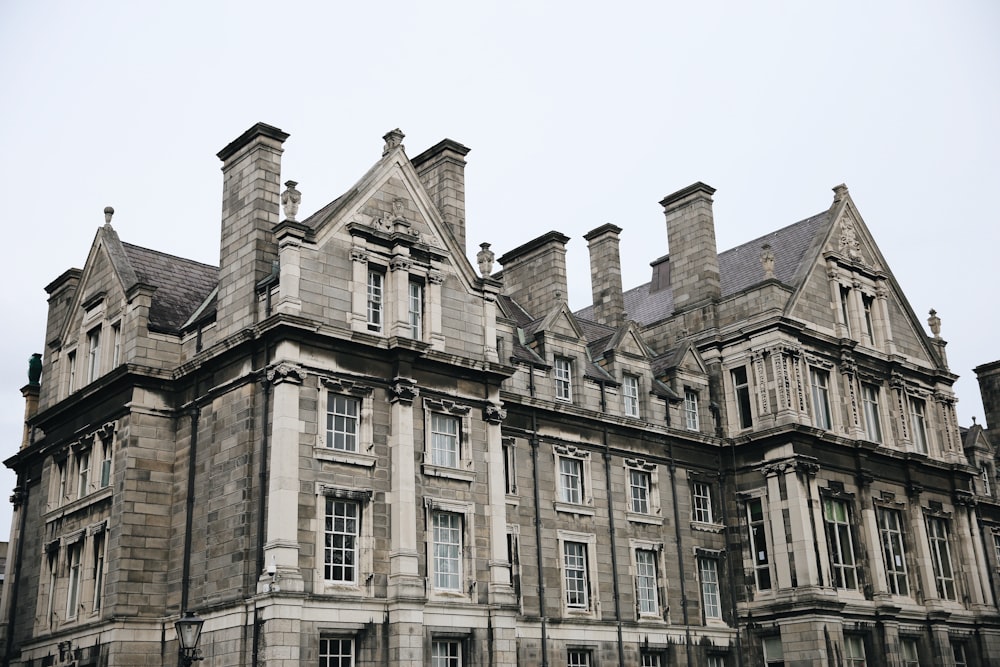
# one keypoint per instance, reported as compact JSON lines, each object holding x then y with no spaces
{"x":415,"y":310}
{"x":716,"y":661}
{"x":73,"y":553}
{"x":639,"y":483}
{"x":891,"y":529}
{"x":83,"y":473}
{"x":873,"y":422}
{"x":911,"y":656}
{"x":996,"y":547}
{"x":106,"y":452}
{"x":62,"y":482}
{"x":867,"y":302}
{"x":570,"y":480}
{"x":509,"y":471}
{"x":650,"y":660}
{"x":690,"y":410}
{"x":340,"y":548}
{"x":854,"y":651}
{"x":563,"y":370}
{"x":575,"y":573}
{"x":447,"y":528}
{"x":93,"y":354}
{"x":944,"y":575}
{"x":444,"y":441}
{"x":840,"y":543}
{"x":645,"y":581}
{"x":446,"y":654}
{"x":71,"y":362}
{"x":708,"y":572}
{"x":774,"y":653}
{"x":336,"y":652}
{"x":375,"y":288}
{"x":958,"y":650}
{"x":845,"y":295}
{"x":578,"y":659}
{"x":742,"y":387}
{"x":918,"y":425}
{"x":984,"y":475}
{"x":758,"y":544}
{"x":820,"y":381}
{"x":342,"y":421}
{"x":702,"y":502}
{"x":98,"y":570}
{"x":630,"y":394}
{"x":116,"y":344}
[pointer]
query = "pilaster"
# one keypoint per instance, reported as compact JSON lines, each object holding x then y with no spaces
{"x":405,"y":582}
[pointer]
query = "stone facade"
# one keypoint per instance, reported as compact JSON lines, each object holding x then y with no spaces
{"x":346,"y":446}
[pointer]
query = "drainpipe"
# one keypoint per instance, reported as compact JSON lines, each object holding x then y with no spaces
{"x":195,"y":412}
{"x":24,"y":491}
{"x":672,"y":467}
{"x":538,"y":532}
{"x":729,"y":558}
{"x":611,"y":529}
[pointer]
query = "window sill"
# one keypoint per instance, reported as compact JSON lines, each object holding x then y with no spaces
{"x":78,"y":503}
{"x":512,"y":500}
{"x":707,"y":527}
{"x":438,"y":595}
{"x":646,"y":618}
{"x":341,"y":456}
{"x":430,"y":470}
{"x":572,"y":508}
{"x":651,"y":519}
{"x":341,"y":589}
{"x":577,"y":612}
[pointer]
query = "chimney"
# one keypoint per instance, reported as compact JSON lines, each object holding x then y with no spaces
{"x":606,"y":275}
{"x":534,"y":274}
{"x":442,"y":171}
{"x":694,"y":260}
{"x":251,"y":168}
{"x":989,"y":388}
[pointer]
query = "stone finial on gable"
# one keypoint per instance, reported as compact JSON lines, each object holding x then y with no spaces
{"x":485,"y":259}
{"x":767,"y":260}
{"x":290,"y":199}
{"x":108,"y":212}
{"x":393,"y":138}
{"x":934,"y":322}
{"x":839,"y":192}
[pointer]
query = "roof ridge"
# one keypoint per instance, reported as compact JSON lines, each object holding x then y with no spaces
{"x":170,"y":255}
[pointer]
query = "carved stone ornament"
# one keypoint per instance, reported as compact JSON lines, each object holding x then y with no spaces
{"x":400,"y":263}
{"x":359,"y":254}
{"x":485,"y":259}
{"x":393,"y":139}
{"x":290,"y":199}
{"x":849,"y":244}
{"x":285,"y":372}
{"x":767,"y":260}
{"x":345,"y":386}
{"x":398,"y":209}
{"x":108,"y":212}
{"x":934,"y":322}
{"x":403,"y":390}
{"x":446,"y":406}
{"x":435,"y":277}
{"x":494,"y":414}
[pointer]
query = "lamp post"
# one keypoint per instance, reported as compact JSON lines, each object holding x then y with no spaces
{"x":188,"y":633}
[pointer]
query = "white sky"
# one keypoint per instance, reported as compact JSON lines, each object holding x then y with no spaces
{"x":577,"y":114}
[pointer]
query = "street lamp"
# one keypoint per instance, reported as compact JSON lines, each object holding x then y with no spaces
{"x":188,"y":633}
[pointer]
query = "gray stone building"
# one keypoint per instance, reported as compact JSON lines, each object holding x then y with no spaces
{"x":347,"y":446}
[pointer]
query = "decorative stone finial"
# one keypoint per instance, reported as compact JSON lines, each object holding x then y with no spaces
{"x":392,"y":138}
{"x":839,"y":192}
{"x":108,"y":212}
{"x":767,"y":260}
{"x":934,"y":322}
{"x":485,"y":259}
{"x":290,"y":199}
{"x":34,"y":369}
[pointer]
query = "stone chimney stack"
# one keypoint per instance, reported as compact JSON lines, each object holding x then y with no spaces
{"x":534,"y":274}
{"x":694,"y":259}
{"x":989,"y":387}
{"x":442,"y":171}
{"x":606,"y":275}
{"x":251,"y":189}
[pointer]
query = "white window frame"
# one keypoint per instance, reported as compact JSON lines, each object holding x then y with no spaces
{"x":116,"y":344}
{"x":692,"y":421}
{"x":107,"y":462}
{"x":74,"y":570}
{"x":94,"y":353}
{"x":578,"y":657}
{"x":343,"y":422}
{"x":341,"y":535}
{"x":375,"y":299}
{"x":774,"y":651}
{"x":364,"y":566}
{"x":910,"y":651}
{"x":996,"y":546}
{"x":453,"y":413}
{"x":918,"y":425}
{"x":938,"y":538}
{"x":760,"y":559}
{"x":742,"y":397}
{"x":820,"y":394}
{"x":446,"y":537}
{"x":82,"y":473}
{"x":445,"y":440}
{"x":890,"y":527}
{"x":446,"y":653}
{"x":332,"y":648}
{"x":415,"y":308}
{"x":562,"y":374}
{"x":639,"y":572}
{"x":958,"y":651}
{"x":100,"y":557}
{"x":985,"y":475}
{"x":840,"y":544}
{"x":509,"y":447}
{"x":630,"y":395}
{"x":464,"y":513}
{"x":363,"y":454}
{"x":873,"y":417}
{"x":650,"y":660}
{"x":701,"y":502}
{"x":71,"y":371}
{"x":588,"y":541}
{"x":854,"y":651}
{"x":648,"y":472}
{"x":579,"y":499}
{"x":711,"y":589}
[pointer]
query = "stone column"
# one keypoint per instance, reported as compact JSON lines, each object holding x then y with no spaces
{"x":290,"y":237}
{"x":872,"y":539}
{"x":434,"y":308}
{"x":397,"y":295}
{"x":965,"y":542}
{"x":501,"y":589}
{"x":803,"y":531}
{"x":918,"y":528}
{"x":359,"y":288}
{"x":883,"y":321}
{"x":281,"y":546}
{"x":982,"y":563}
{"x":779,"y":542}
{"x":833,"y":275}
{"x":491,"y":289}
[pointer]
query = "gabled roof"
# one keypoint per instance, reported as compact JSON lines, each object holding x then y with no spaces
{"x":182,"y":285}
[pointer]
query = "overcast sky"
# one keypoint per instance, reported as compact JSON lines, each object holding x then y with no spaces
{"x":577,"y":114}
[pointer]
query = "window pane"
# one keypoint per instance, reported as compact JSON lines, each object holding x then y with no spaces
{"x":690,"y":410}
{"x":742,"y":388}
{"x":340,"y":552}
{"x":645,"y":581}
{"x":639,"y":483}
{"x":709,"y":574}
{"x":893,"y":552}
{"x":444,"y":441}
{"x":575,"y":570}
{"x":570,"y":480}
{"x":336,"y":652}
{"x":447,"y":551}
{"x":873,"y":422}
{"x":702,"y":502}
{"x":374,"y":301}
{"x":630,"y":394}
{"x":563,"y":378}
{"x":342,"y":422}
{"x":918,"y":425}
{"x":446,"y":654}
{"x":416,"y":309}
{"x":821,"y":398}
{"x":840,"y":543}
{"x":758,"y":544}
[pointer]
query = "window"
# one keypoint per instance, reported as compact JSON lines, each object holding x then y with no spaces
{"x":376,"y":280}
{"x":570,"y":480}
{"x":774,"y":654}
{"x":958,"y":650}
{"x":334,"y":652}
{"x":73,"y":554}
{"x":996,"y":547}
{"x":83,"y":473}
{"x":742,"y":387}
{"x":342,"y":419}
{"x":93,"y":354}
{"x":650,"y":660}
{"x":716,"y":661}
{"x":944,"y":576}
{"x":918,"y":425}
{"x":873,"y":424}
{"x":647,"y":599}
{"x":444,"y":440}
{"x":891,"y":529}
{"x":820,"y":381}
{"x":639,"y":486}
{"x":854,"y":651}
{"x":690,"y":410}
{"x":447,"y":535}
{"x":340,"y":549}
{"x":867,"y":302}
{"x":562,"y":370}
{"x":758,"y":544}
{"x":509,"y":469}
{"x":840,"y":543}
{"x":98,"y":570}
{"x":845,"y":295}
{"x":708,"y":573}
{"x":71,"y":362}
{"x":578,"y":659}
{"x":106,"y":452}
{"x":911,"y":656}
{"x":116,"y":344}
{"x":61,"y":482}
{"x":702,"y":502}
{"x":415,"y":310}
{"x":446,"y":653}
{"x":984,"y":475}
{"x":630,"y":395}
{"x":575,"y":575}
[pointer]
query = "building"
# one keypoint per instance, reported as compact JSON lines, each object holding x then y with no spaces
{"x":347,"y":446}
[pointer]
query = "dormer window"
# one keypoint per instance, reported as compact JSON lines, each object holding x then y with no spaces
{"x":563,"y":372}
{"x":845,"y":296}
{"x":690,"y":410}
{"x":984,"y":475}
{"x":93,"y":354}
{"x":630,"y":395}
{"x":376,"y":288}
{"x":116,"y":344}
{"x":867,"y":302}
{"x":71,"y":362}
{"x":415,"y":309}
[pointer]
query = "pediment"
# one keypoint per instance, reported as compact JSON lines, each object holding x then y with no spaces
{"x":561,"y":322}
{"x":627,"y":341}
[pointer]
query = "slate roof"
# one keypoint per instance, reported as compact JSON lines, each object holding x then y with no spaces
{"x":181,"y":285}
